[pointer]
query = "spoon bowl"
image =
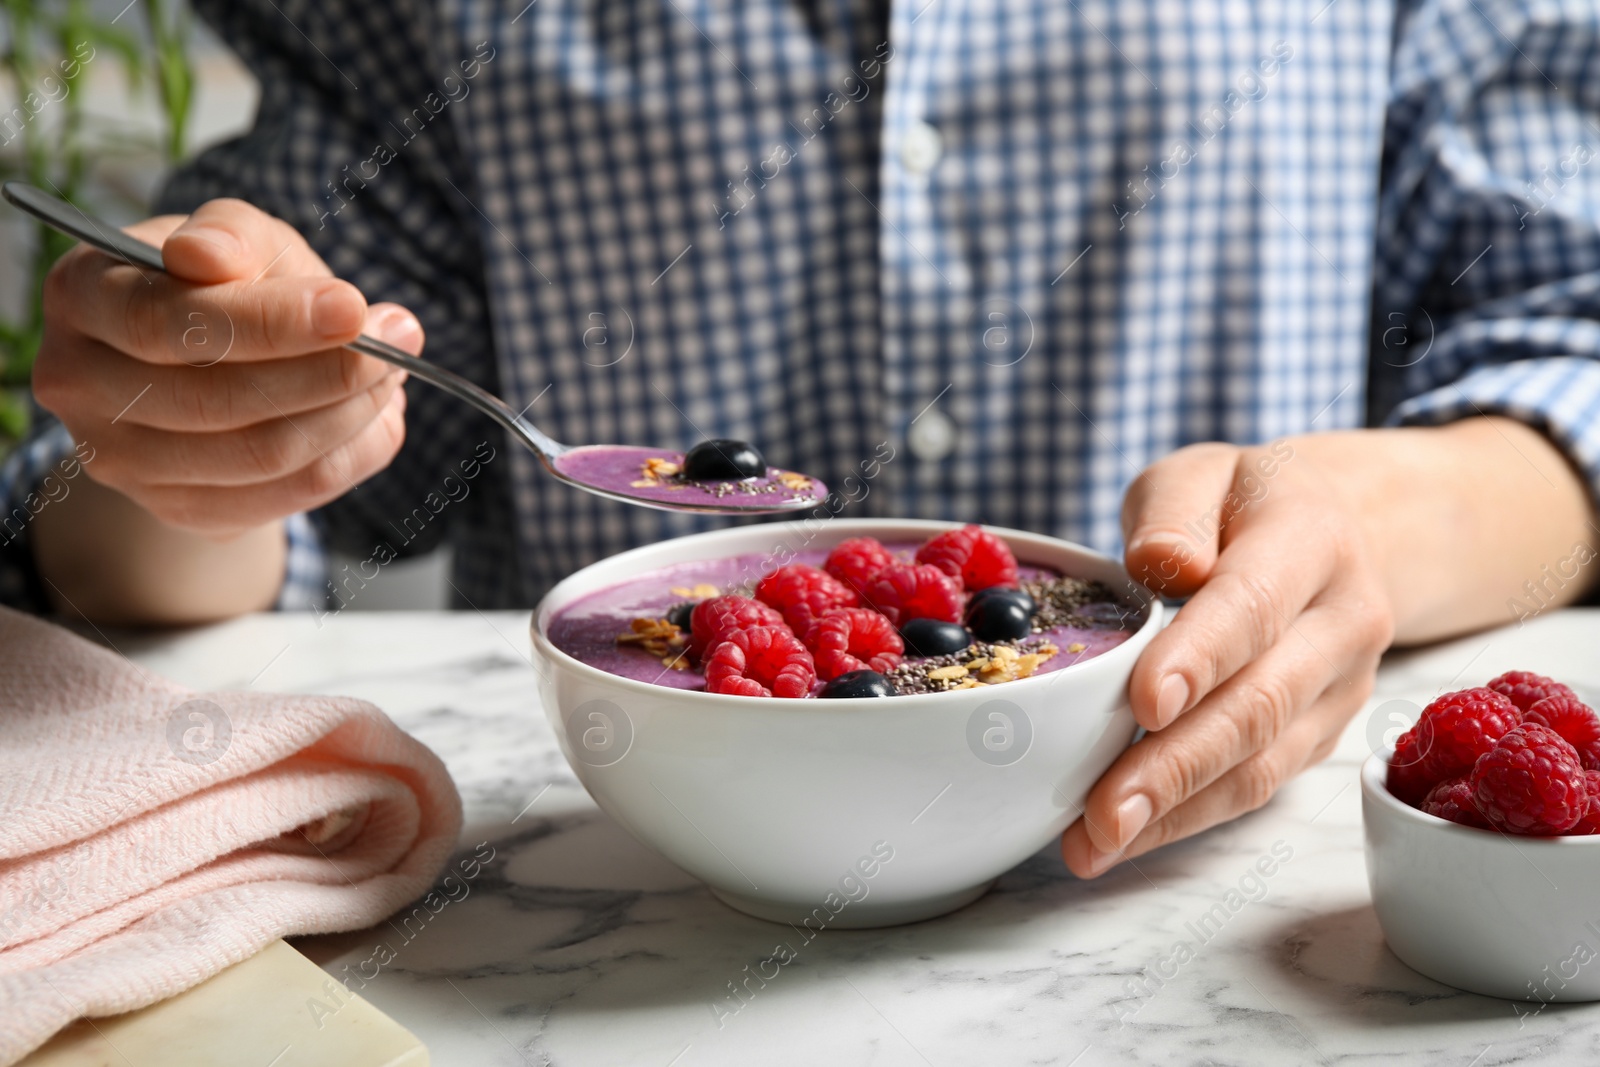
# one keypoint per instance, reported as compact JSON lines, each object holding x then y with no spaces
{"x":646,"y":477}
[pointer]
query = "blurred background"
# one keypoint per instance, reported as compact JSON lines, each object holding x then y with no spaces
{"x":98,"y":100}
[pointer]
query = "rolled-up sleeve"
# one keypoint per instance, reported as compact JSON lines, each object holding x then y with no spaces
{"x":1559,"y":396}
{"x":37,"y":475}
{"x":23,"y":495}
{"x":305,"y":570}
{"x":405,"y":235}
{"x":1487,"y":281}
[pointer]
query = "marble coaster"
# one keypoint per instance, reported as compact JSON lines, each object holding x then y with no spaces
{"x":275,"y":1008}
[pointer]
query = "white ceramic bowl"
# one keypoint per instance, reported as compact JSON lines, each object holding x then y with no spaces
{"x":844,"y":813}
{"x":1503,"y":915}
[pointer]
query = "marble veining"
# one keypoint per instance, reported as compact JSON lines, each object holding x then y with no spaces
{"x":574,"y":945}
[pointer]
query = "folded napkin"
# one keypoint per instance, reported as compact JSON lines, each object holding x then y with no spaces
{"x":151,"y":836}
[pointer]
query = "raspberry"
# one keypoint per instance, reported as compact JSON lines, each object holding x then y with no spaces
{"x":1524,"y":688}
{"x":713,"y":620}
{"x":762,"y":661}
{"x":1531,"y":782}
{"x":908,"y":591}
{"x":858,"y":561}
{"x":1447,"y":740}
{"x":1573,"y":720}
{"x":1590,"y":823}
{"x":1410,"y":777}
{"x":1465,"y":725}
{"x":853,"y":639}
{"x":973,"y":556}
{"x":804,"y":593}
{"x":1452,"y":799}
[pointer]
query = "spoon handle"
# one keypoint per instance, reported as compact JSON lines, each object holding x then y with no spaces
{"x":73,"y":222}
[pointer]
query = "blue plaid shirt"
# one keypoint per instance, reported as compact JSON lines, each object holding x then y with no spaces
{"x":1023,"y":248}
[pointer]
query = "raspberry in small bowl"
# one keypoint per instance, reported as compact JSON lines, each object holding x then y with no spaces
{"x":1481,"y":841}
{"x":832,"y":727}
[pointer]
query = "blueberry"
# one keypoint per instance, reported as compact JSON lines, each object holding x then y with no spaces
{"x":859,"y":684}
{"x":722,"y":460}
{"x":679,"y":615}
{"x":930,"y":637}
{"x":1005,"y":592}
{"x":998,"y":618}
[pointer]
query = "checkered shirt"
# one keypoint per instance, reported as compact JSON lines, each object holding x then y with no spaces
{"x":966,"y":261}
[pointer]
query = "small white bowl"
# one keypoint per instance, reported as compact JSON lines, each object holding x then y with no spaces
{"x":841,"y":813}
{"x":1498,"y":914}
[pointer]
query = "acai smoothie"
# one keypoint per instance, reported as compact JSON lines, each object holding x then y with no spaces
{"x":863,"y":619}
{"x":655,"y":474}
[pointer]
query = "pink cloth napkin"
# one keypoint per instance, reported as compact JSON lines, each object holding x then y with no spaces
{"x":151,"y":836}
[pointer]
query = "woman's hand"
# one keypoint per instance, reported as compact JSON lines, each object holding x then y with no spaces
{"x":218,"y":397}
{"x":1303,"y":561}
{"x":209,"y":403}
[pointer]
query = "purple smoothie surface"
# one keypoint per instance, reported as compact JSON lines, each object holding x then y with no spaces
{"x":628,"y":470}
{"x":587,"y":628}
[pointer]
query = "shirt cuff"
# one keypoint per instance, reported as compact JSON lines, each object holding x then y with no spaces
{"x":29,"y":483}
{"x":305,"y":571}
{"x":1559,"y":396}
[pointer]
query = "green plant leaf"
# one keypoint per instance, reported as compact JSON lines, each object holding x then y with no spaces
{"x":15,"y":414}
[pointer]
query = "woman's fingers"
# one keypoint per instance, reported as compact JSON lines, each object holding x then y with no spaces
{"x":162,"y":320}
{"x":1204,"y":521}
{"x":227,"y":396}
{"x":1171,"y":517}
{"x":1243,"y":717}
{"x":216,"y":394}
{"x":264,"y":452}
{"x":1263,"y":666}
{"x":223,"y":511}
{"x":1277,"y":558}
{"x":232,"y":240}
{"x":1309,"y":738}
{"x":241,"y":285}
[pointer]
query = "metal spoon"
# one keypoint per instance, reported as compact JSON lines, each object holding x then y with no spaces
{"x":618,"y":472}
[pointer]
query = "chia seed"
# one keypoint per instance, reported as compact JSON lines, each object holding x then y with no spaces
{"x":748,"y":486}
{"x":1083,"y":604}
{"x":912,"y":678}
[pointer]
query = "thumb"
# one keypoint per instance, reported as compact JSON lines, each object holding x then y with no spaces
{"x":395,"y":324}
{"x":231,"y":240}
{"x":1172,"y":516}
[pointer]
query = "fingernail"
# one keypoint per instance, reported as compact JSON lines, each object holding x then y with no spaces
{"x":1100,"y":862}
{"x":1133,"y":815}
{"x":1171,"y":699}
{"x":400,"y":328}
{"x":333,"y":313}
{"x":224,"y":242}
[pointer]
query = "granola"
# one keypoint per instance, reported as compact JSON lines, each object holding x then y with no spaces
{"x":659,"y":472}
{"x":980,"y":663}
{"x":662,"y":639}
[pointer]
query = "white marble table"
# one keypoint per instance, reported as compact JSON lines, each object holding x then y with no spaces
{"x":577,"y":946}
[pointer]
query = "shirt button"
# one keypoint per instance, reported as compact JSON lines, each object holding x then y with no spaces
{"x":932,"y":436}
{"x":921,"y":148}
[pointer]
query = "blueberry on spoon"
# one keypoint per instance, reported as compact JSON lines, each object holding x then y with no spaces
{"x":723,"y":460}
{"x":739,"y":483}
